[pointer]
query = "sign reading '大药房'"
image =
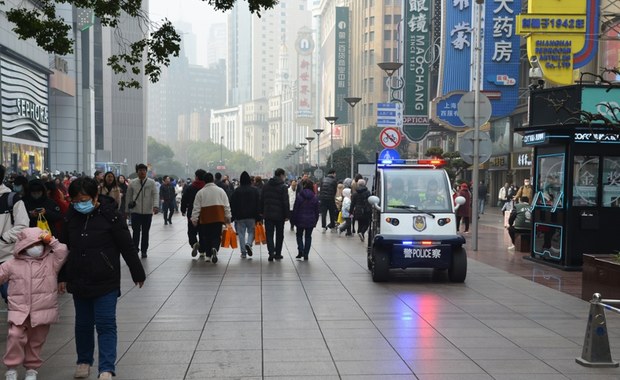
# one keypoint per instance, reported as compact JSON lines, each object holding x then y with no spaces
{"x":559,"y":35}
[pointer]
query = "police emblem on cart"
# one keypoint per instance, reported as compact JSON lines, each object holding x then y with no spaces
{"x":419,"y":223}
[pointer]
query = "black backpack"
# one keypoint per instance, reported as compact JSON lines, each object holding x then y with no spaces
{"x":7,"y":201}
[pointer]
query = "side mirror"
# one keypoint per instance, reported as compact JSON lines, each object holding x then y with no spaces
{"x":374,"y":202}
{"x":459,"y":202}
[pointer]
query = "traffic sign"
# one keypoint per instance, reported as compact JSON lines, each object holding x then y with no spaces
{"x":389,"y":154}
{"x":389,"y":137}
{"x":466,"y":147}
{"x":318,"y":173}
{"x":466,"y":109}
{"x":389,"y":114}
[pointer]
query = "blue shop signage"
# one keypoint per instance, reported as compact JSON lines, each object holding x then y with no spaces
{"x":444,"y":110}
{"x":501,"y":55}
{"x":457,"y":47}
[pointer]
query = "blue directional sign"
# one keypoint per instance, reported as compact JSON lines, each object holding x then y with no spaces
{"x":389,"y":154}
{"x":389,"y":115}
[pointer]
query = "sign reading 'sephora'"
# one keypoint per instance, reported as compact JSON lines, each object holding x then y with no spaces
{"x":24,"y":93}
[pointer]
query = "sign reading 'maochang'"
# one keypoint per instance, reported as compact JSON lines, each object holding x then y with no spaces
{"x":24,"y":93}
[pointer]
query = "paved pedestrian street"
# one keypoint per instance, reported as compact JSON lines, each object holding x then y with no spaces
{"x":325,"y":319}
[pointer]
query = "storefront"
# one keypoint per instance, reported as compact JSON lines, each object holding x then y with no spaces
{"x":25,"y":114}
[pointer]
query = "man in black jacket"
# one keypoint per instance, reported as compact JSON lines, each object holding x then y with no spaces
{"x":274,"y":207}
{"x":244,"y":205}
{"x":327,"y":197}
{"x":167,"y":197}
{"x":187,"y":204}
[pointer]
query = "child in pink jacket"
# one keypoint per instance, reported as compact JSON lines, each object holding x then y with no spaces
{"x":33,"y":298}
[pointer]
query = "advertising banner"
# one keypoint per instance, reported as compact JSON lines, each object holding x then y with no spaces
{"x":342,"y":65}
{"x":501,"y":55}
{"x":417,"y":42}
{"x":305,"y":46}
{"x":455,"y":58}
{"x":604,"y":101}
{"x":562,"y":35}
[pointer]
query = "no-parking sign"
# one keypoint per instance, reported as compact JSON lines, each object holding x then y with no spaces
{"x":389,"y":137}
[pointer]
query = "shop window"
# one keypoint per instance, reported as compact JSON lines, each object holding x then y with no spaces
{"x":550,"y":181}
{"x":611,"y":182}
{"x":585,"y":174}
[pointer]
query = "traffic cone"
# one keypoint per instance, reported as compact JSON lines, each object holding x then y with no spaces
{"x":596,"y":352}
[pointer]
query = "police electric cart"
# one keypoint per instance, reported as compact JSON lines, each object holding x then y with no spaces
{"x":413,"y":222}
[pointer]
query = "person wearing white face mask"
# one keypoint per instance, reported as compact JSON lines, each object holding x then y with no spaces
{"x":38,"y":257}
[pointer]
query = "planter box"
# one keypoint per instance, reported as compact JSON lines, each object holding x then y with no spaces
{"x":601,"y":274}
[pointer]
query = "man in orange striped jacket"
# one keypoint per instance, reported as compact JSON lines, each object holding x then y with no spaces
{"x":210,"y":212}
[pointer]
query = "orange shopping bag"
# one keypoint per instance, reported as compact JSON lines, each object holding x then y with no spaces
{"x":260,"y":237}
{"x":225,"y":239}
{"x":232,"y":237}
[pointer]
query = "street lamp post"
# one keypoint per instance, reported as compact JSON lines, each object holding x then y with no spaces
{"x":221,"y":150}
{"x":390,"y":68}
{"x":297,"y":149}
{"x":310,"y":139}
{"x":352,"y":102}
{"x":318,"y":132}
{"x":303,"y":156}
{"x":331,"y":120}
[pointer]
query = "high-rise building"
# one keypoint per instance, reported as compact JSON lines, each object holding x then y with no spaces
{"x":263,"y":64}
{"x":217,"y":44}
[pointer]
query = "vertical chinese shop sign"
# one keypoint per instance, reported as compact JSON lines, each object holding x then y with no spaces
{"x":416,"y":50}
{"x":342,"y":65}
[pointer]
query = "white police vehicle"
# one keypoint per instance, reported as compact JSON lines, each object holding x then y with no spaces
{"x":413,"y":221}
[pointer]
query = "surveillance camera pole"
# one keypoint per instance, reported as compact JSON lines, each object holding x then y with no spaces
{"x":477,"y":83}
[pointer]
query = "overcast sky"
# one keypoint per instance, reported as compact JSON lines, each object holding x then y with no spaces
{"x":196,"y":12}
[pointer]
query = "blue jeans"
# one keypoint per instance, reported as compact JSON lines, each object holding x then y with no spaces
{"x":304,"y":234}
{"x":100,"y":313}
{"x":244,"y":226}
{"x":481,"y":205}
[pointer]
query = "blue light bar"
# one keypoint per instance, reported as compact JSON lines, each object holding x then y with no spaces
{"x":407,"y":243}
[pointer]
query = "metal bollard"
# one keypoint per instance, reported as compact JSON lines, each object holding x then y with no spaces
{"x":596,"y":351}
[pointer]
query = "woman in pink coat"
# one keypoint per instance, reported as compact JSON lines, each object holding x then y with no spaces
{"x":33,"y":298}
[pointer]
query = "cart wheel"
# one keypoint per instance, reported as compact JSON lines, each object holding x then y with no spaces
{"x":381,"y":266}
{"x":458,"y":266}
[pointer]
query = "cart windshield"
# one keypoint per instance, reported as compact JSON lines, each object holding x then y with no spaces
{"x":409,"y":190}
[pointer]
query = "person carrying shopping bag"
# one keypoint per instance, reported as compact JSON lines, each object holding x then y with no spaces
{"x":244,"y":204}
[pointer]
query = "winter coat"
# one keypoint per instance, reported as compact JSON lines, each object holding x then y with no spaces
{"x":306,"y":210}
{"x":465,"y":209}
{"x":96,"y":242}
{"x":211,"y":205}
{"x":33,"y":286}
{"x":114,"y":193}
{"x":148,"y":198}
{"x":359,"y":203}
{"x":189,"y":195}
{"x":292,"y":195}
{"x":52,"y":211}
{"x":244,"y":203}
{"x":167,"y":193}
{"x":329,"y":186}
{"x":10,"y":230}
{"x":346,"y":207}
{"x":274,"y":203}
{"x":525,"y":191}
{"x":502,"y":195}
